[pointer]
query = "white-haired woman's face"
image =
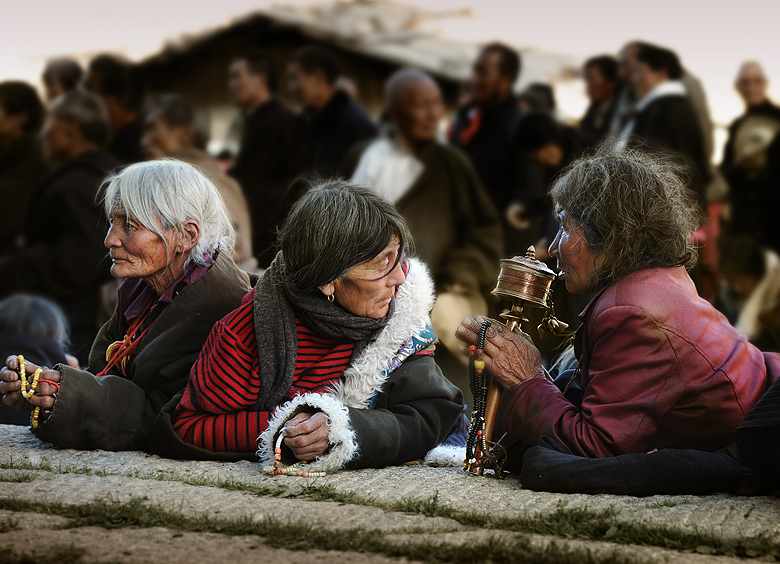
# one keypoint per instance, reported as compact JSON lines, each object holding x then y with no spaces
{"x":138,"y":252}
{"x":367,"y":289}
{"x":576,"y":261}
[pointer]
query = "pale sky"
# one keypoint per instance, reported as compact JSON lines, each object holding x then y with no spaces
{"x":712,"y":38}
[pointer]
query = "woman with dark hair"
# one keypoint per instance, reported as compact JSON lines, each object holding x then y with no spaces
{"x":659,"y":367}
{"x":22,"y":165}
{"x":329,"y":357}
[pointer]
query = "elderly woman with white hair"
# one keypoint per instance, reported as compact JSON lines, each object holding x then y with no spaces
{"x":170,"y":238}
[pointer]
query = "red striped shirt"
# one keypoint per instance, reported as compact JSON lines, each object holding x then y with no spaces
{"x":215,"y":412}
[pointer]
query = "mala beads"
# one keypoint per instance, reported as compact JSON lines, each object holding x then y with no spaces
{"x":28,"y":390}
{"x":476,"y":444}
{"x":293,"y":469}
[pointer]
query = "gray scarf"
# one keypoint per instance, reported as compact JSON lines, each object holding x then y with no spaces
{"x":276,"y":306}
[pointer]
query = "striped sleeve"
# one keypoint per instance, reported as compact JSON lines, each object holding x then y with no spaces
{"x":214,"y":412}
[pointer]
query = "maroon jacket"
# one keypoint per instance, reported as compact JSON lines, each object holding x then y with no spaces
{"x":661,"y":368}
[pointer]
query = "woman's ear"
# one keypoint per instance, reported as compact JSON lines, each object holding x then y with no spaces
{"x":190,"y":235}
{"x":328,"y":289}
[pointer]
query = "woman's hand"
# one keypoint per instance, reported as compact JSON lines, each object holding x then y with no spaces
{"x":307,"y":435}
{"x":11,"y":386}
{"x":510,"y":357}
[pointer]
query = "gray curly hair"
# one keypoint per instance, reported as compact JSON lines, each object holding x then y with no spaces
{"x":163,"y":194}
{"x":635,"y":208}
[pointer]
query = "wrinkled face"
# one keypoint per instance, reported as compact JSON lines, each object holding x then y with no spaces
{"x":420,"y":111}
{"x":487,"y":81}
{"x":137,"y":252}
{"x":160,"y":139}
{"x":576,"y":261}
{"x":597,"y":87}
{"x":752,"y":85}
{"x":243,"y":84}
{"x":367,"y":289}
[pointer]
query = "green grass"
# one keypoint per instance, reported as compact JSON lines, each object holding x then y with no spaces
{"x":569,"y":523}
{"x":17,"y":477}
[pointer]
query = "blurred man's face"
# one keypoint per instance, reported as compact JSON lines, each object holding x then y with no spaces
{"x":160,"y":139}
{"x":58,"y":138}
{"x":597,"y":87}
{"x":419,"y":112}
{"x":752,"y":85}
{"x":645,"y":79}
{"x":10,"y":126}
{"x":305,"y":87}
{"x":53,"y":88}
{"x":488,"y":84}
{"x":243,"y":84}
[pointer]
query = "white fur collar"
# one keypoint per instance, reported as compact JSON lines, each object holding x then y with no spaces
{"x":364,"y":377}
{"x":365,"y":374}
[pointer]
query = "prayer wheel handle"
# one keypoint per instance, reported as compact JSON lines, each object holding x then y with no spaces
{"x":523,"y":281}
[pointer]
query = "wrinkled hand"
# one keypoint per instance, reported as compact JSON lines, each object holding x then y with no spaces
{"x":510,"y":357}
{"x":11,"y":386}
{"x":307,"y":435}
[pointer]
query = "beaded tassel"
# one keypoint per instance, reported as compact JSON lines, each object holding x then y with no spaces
{"x":292,"y":469}
{"x":27,"y":394}
{"x":475,"y":439}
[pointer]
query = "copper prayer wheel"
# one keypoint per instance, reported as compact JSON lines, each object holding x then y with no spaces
{"x":522,"y":281}
{"x":526,"y":279}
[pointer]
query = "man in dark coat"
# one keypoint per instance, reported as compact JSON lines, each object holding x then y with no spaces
{"x":22,"y":165}
{"x":750,"y":158}
{"x":601,"y":84}
{"x":63,"y":255}
{"x":263,"y":166}
{"x":663,"y":116}
{"x":113,"y":80}
{"x":483,"y":129}
{"x":331,"y":121}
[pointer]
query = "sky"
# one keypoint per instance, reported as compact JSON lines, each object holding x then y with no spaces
{"x":712,"y":38}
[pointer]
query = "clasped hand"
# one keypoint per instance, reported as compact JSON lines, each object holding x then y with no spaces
{"x":11,"y":386}
{"x":307,"y":435}
{"x":510,"y":357}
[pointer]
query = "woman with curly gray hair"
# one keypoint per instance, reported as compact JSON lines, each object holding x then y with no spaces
{"x":170,"y":239}
{"x":659,"y":367}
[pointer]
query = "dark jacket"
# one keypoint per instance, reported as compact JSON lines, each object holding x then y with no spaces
{"x":455,"y":227}
{"x":491,"y":148}
{"x":264,"y":169}
{"x":413,"y":408}
{"x":671,"y":123}
{"x":767,"y":109}
{"x":115,"y":412}
{"x":126,"y":144}
{"x":64,"y":257}
{"x":323,"y":138}
{"x":22,"y":168}
{"x":661,"y":368}
{"x":595,"y":124}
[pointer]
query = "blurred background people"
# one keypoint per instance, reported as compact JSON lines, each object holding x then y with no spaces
{"x":113,"y":80}
{"x":537,"y":96}
{"x":484,"y":127}
{"x":456,"y":229}
{"x":263,"y":165}
{"x":22,"y":164}
{"x":37,"y":329}
{"x":61,"y":76}
{"x":601,"y":86}
{"x":331,"y":122}
{"x":750,"y":159}
{"x":63,"y":257}
{"x":172,"y":130}
{"x":663,"y":117}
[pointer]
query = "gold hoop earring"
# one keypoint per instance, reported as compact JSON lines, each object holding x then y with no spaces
{"x":332,"y":297}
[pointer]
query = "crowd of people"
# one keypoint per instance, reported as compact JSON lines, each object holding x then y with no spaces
{"x":293,"y":293}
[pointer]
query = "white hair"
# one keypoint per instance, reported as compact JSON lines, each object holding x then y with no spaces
{"x":163,"y":194}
